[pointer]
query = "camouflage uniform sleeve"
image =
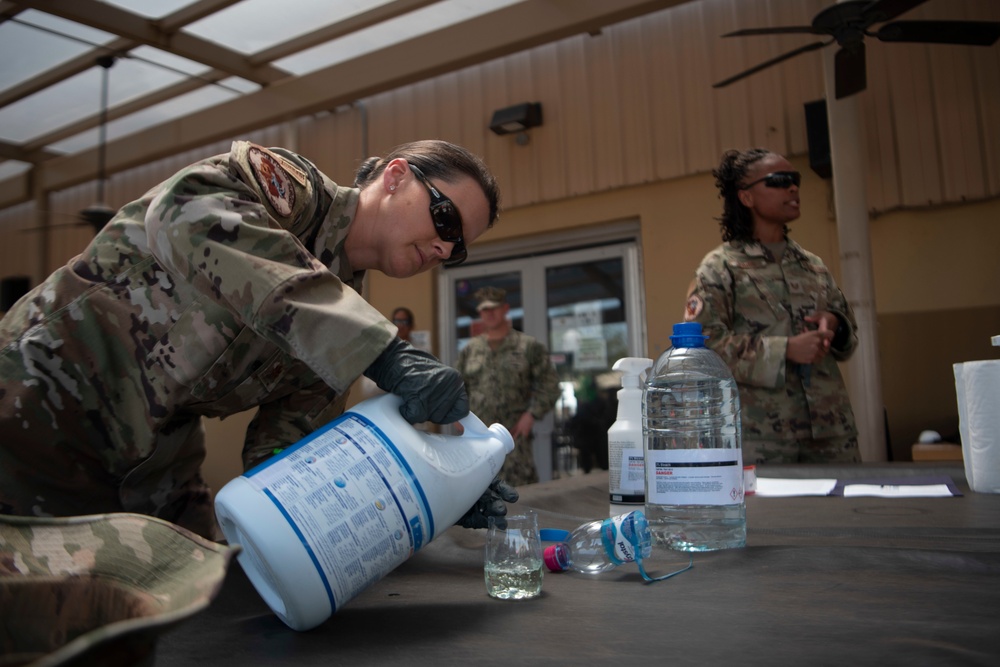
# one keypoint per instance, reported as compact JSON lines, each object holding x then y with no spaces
{"x":544,"y":381}
{"x":280,"y":423}
{"x":227,"y":237}
{"x":754,"y":358}
{"x":846,"y":339}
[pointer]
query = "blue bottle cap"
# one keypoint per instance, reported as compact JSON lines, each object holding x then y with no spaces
{"x":688,"y":334}
{"x":553,"y":535}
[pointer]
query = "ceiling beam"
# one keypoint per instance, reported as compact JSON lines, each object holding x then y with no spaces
{"x":172,"y":23}
{"x":120,"y":46}
{"x":9,"y":151}
{"x":117,"y":21}
{"x":504,"y":31}
{"x":166,"y":94}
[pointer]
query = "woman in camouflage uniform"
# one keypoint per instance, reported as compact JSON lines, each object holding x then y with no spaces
{"x":772,"y":310}
{"x":233,"y":285}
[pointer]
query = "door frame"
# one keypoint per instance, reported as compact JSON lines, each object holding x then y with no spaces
{"x":615,"y":238}
{"x":526,"y":256}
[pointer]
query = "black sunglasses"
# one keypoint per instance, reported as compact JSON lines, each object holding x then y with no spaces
{"x":447,"y":220}
{"x":778,"y":179}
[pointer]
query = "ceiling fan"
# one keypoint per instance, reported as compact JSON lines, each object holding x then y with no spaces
{"x":848,"y":23}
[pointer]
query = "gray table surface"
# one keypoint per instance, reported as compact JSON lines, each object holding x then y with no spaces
{"x":823,"y":580}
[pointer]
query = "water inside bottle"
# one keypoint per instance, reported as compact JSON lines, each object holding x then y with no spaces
{"x":696,"y":412}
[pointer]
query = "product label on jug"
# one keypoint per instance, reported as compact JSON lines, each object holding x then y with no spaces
{"x":353,"y":501}
{"x":694,"y":476}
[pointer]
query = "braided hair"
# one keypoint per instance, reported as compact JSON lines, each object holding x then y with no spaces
{"x":736,"y":221}
{"x":439,"y":160}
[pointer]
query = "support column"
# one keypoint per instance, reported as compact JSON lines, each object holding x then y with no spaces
{"x":864,"y":382}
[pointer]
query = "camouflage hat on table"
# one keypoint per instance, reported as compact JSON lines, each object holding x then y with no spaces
{"x":490,"y":297}
{"x":99,"y":590}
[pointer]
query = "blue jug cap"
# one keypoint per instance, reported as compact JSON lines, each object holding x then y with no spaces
{"x":688,"y":334}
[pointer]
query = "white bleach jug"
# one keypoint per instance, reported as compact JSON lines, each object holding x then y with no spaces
{"x":337,"y":511}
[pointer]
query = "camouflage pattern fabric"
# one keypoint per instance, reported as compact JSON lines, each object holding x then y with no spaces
{"x":829,"y":450}
{"x":222,"y":289}
{"x":98,"y":590}
{"x":503,"y":384}
{"x":749,"y":305}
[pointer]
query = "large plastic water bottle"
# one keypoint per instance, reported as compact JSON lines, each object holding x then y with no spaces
{"x":599,"y":546}
{"x":339,"y":510}
{"x":692,"y":447}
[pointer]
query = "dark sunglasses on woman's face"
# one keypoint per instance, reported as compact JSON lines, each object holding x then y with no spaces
{"x":447,"y":220}
{"x":778,"y":179}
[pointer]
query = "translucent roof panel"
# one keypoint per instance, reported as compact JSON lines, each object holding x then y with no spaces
{"x":33,"y":42}
{"x":250,"y":26}
{"x":435,"y":16}
{"x":150,"y":9}
{"x":51,"y":82}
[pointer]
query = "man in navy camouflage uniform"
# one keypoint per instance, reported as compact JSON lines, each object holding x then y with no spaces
{"x":772,"y":310}
{"x":233,"y":285}
{"x":510,"y":381}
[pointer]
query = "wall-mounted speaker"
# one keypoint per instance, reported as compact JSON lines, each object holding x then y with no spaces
{"x":818,"y":136}
{"x":13,"y":288}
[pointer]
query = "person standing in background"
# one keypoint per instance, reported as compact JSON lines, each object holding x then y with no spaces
{"x":403,"y":319}
{"x":510,"y":380}
{"x":772,"y":310}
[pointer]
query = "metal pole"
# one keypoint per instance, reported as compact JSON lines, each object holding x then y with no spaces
{"x":105,"y":62}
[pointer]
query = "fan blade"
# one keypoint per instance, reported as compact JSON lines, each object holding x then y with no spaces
{"x":973,"y":33}
{"x":886,"y":10}
{"x":784,"y":30}
{"x":96,"y":216}
{"x":772,"y":61}
{"x":850,"y":73}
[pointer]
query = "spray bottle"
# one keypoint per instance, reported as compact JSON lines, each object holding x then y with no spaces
{"x":626,"y":478}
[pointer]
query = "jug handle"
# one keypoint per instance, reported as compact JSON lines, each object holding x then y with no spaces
{"x":473,"y":425}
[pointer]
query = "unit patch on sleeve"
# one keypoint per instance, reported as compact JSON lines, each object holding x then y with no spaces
{"x":273,"y":179}
{"x":693,"y":307}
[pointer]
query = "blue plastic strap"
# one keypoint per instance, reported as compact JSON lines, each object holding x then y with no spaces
{"x":642,"y":570}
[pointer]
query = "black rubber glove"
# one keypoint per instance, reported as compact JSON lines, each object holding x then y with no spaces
{"x":431,"y":391}
{"x":491,"y":503}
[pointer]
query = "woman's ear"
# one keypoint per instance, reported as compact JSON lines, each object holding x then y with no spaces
{"x":394,"y":173}
{"x":745,"y":198}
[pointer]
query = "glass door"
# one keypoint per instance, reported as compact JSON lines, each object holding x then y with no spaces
{"x":586,"y":306}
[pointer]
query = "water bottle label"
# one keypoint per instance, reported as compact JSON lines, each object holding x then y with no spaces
{"x":694,"y":476}
{"x":352,"y":499}
{"x":618,"y":535}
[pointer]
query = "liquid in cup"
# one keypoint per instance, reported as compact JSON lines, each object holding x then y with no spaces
{"x":512,"y":562}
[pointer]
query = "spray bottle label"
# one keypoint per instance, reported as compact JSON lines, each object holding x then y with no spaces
{"x":694,"y":476}
{"x":352,"y":499}
{"x":626,"y":471}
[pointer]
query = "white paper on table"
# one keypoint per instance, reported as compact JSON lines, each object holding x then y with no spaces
{"x":898,"y":490}
{"x":775,"y":487}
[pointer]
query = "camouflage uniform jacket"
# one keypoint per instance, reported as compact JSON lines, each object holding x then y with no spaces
{"x":749,"y":305}
{"x":505,"y":383}
{"x":222,"y":289}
